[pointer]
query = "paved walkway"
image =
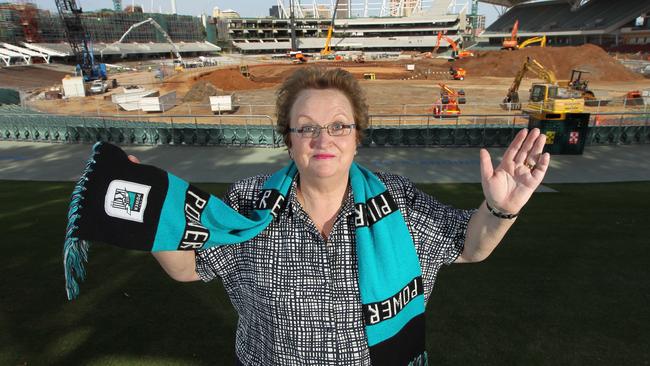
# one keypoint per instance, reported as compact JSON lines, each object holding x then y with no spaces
{"x":64,"y":162}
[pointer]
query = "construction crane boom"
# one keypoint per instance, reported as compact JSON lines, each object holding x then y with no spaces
{"x":79,"y":39}
{"x":330,"y":30}
{"x":158,"y":27}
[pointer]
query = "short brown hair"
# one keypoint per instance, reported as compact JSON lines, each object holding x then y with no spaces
{"x":313,"y":77}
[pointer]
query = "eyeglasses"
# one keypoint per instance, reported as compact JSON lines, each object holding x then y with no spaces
{"x":333,"y":129}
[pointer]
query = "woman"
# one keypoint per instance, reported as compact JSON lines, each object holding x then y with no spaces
{"x":298,"y":286}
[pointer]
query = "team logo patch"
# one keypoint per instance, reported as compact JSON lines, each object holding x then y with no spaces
{"x":126,"y":200}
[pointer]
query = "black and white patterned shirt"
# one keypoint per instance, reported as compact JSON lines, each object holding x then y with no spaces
{"x":297,"y":295}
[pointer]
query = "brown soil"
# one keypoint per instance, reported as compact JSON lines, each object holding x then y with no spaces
{"x":29,"y":77}
{"x":396,"y":90}
{"x":560,"y":60}
{"x":201,"y":92}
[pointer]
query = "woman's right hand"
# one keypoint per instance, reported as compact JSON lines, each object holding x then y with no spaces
{"x":133,"y":159}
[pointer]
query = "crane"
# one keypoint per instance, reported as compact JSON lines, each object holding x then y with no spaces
{"x":511,"y":44}
{"x":546,"y":98}
{"x":79,"y":41}
{"x":179,"y":59}
{"x":327,"y":49}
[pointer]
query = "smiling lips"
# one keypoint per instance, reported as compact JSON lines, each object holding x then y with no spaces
{"x":323,"y":156}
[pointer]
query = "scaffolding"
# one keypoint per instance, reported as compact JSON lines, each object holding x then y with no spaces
{"x":38,"y":25}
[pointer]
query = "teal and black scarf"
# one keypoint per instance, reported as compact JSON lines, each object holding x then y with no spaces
{"x":136,"y":206}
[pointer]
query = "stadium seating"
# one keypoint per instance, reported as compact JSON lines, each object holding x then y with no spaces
{"x":552,"y":16}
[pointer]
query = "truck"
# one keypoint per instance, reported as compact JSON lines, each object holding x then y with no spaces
{"x":98,"y":87}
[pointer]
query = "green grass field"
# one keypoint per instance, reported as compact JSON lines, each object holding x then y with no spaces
{"x":570,"y":285}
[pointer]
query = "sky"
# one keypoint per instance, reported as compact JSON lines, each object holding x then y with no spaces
{"x":246,"y":8}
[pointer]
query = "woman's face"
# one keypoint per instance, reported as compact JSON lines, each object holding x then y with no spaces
{"x":324,"y":156}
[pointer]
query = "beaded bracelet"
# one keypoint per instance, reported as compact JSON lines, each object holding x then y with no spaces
{"x":500,"y":214}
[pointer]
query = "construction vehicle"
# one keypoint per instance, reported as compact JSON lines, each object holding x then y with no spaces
{"x":511,"y":43}
{"x":178,"y":62}
{"x":327,"y":50}
{"x":546,"y":99}
{"x":361,"y":58}
{"x":243,"y":70}
{"x":581,"y":85}
{"x":447,"y":105}
{"x":80,"y":41}
{"x":541,"y":40}
{"x":457,"y":51}
{"x":457,"y":73}
{"x":297,"y":57}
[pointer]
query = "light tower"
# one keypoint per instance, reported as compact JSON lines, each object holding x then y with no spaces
{"x":117,"y":5}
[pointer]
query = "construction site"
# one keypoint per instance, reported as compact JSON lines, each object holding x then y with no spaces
{"x":442,"y":84}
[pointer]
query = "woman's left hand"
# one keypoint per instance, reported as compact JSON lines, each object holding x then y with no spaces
{"x":508,"y":187}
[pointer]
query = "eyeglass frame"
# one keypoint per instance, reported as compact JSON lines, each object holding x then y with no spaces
{"x":318,"y":129}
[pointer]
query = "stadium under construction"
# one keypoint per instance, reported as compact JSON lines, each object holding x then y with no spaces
{"x":418,"y":60}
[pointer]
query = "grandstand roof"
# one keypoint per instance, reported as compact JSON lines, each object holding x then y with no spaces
{"x":557,"y":17}
{"x":134,"y":48}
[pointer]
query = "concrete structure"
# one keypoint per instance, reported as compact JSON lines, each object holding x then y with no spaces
{"x":416,"y":32}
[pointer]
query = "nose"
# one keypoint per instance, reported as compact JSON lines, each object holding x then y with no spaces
{"x":323,"y":139}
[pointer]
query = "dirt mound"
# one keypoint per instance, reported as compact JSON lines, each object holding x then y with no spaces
{"x":29,"y":77}
{"x":560,"y":60}
{"x":231,"y":79}
{"x":201,"y":92}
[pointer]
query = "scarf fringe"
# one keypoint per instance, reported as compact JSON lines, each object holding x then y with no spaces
{"x":75,"y":250}
{"x":421,"y":360}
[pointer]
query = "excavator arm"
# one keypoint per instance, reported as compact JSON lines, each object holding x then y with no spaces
{"x":435,"y":49}
{"x":452,"y":43}
{"x":533,"y":66}
{"x":541,"y":40}
{"x":447,"y":90}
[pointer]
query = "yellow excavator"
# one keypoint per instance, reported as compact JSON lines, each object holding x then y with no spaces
{"x":327,"y":50}
{"x":556,"y":110}
{"x":541,"y":40}
{"x":547,"y":100}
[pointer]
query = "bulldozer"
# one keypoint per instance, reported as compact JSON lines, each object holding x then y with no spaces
{"x":447,"y":105}
{"x":546,"y":99}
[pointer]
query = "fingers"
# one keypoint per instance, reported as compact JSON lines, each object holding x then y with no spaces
{"x":527,"y":147}
{"x":541,"y":167}
{"x":486,"y":165}
{"x":133,"y":159}
{"x":515,"y":145}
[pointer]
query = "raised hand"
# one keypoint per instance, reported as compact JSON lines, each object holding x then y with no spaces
{"x":508,"y":187}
